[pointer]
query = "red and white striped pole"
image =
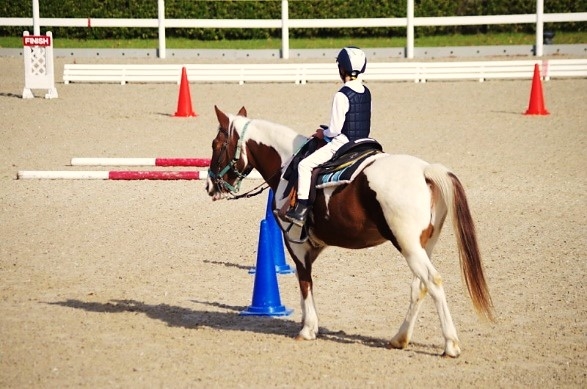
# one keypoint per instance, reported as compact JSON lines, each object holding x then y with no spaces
{"x":118,"y":175}
{"x":157,"y":161}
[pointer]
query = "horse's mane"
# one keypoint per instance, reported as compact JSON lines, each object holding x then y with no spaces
{"x":283,"y":138}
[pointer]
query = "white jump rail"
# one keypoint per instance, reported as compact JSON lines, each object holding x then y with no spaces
{"x":301,"y":73}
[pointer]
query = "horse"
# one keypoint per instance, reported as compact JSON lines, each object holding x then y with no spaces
{"x":397,"y":198}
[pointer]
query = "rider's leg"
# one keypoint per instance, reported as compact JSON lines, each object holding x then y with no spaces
{"x":298,"y":214}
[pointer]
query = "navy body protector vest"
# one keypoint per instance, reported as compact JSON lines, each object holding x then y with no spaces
{"x":357,"y":123}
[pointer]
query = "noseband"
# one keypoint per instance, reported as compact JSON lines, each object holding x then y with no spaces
{"x":231,"y":166}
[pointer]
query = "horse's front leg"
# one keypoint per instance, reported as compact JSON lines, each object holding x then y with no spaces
{"x":304,"y":256}
{"x":309,"y":329}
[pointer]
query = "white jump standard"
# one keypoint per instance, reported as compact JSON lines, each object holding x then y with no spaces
{"x":38,"y":65}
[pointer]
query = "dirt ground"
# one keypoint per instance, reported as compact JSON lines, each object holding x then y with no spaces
{"x":140,"y":283}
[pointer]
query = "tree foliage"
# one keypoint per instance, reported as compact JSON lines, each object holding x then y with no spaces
{"x":271,"y":9}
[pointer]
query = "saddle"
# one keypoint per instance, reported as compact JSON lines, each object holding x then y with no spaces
{"x":346,"y":163}
{"x":342,"y":168}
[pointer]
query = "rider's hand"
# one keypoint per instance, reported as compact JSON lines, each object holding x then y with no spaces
{"x":319,"y":133}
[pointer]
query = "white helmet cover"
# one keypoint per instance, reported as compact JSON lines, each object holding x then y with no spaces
{"x":353,"y":60}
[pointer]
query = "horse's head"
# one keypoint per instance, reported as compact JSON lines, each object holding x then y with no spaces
{"x":228,"y":165}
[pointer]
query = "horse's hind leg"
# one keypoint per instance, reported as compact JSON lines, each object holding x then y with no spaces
{"x":430,"y":281}
{"x":403,"y":336}
{"x":418,"y":292}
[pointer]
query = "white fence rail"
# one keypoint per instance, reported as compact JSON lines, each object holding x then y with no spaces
{"x":409,"y":22}
{"x":301,"y":73}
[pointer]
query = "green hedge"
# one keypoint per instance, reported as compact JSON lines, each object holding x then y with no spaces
{"x":271,"y":9}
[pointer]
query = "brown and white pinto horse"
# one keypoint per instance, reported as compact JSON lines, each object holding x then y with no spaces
{"x":397,"y":198}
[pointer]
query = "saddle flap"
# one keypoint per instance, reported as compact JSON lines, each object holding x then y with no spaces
{"x":291,"y":171}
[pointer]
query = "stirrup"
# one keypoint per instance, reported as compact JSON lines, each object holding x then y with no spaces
{"x":292,"y":232}
{"x":297,"y":215}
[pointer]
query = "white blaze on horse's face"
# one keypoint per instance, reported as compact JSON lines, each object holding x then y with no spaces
{"x":216,"y":162}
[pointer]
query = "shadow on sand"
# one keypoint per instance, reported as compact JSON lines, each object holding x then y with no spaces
{"x":176,"y":316}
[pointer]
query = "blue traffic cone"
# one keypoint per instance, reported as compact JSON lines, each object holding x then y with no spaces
{"x":266,"y":300}
{"x":276,"y":239}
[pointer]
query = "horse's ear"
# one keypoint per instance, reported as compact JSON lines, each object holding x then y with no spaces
{"x":243,"y":111}
{"x":222,"y":118}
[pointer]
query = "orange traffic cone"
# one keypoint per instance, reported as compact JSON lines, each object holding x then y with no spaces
{"x":184,"y":102}
{"x":536,"y":105}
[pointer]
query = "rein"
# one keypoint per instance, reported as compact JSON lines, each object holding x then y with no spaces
{"x":264,"y":185}
{"x":253,"y":192}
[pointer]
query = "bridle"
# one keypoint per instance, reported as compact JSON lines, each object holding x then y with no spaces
{"x":220,"y":183}
{"x":230,"y":166}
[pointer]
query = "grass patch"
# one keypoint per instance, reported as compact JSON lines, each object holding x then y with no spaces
{"x":322,"y":43}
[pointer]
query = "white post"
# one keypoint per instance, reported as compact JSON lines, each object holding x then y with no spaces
{"x":36,"y":18}
{"x":410,"y":30}
{"x":161,"y":16}
{"x":539,"y":27}
{"x":284,"y":29}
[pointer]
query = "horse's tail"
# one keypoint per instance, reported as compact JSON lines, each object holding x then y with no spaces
{"x":453,"y":195}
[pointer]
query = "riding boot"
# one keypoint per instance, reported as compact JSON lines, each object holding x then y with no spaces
{"x":297,"y":215}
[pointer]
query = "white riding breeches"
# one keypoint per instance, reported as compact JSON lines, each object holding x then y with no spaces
{"x":318,"y":157}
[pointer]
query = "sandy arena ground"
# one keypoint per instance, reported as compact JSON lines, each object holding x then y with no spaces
{"x":109,"y":284}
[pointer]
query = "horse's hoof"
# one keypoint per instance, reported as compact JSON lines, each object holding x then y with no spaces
{"x":445,"y":355}
{"x":400,"y":344}
{"x":306,"y":334}
{"x":299,"y":338}
{"x":452,"y":350}
{"x":392,"y":346}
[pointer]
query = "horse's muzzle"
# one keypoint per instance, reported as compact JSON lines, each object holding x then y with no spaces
{"x":214,"y":190}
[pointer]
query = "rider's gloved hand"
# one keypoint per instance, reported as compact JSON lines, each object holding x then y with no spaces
{"x":319,"y":133}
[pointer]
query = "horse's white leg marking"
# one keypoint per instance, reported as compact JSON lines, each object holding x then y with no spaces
{"x":309,"y":329}
{"x":403,"y":336}
{"x":423,"y":269}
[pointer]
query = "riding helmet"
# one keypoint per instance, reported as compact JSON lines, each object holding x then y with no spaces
{"x":352,"y":60}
